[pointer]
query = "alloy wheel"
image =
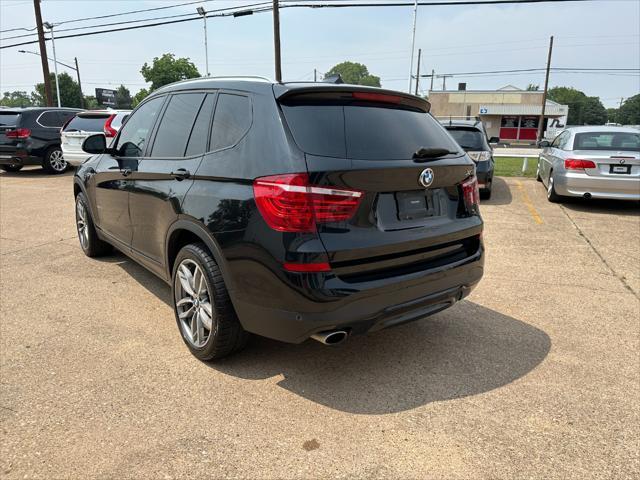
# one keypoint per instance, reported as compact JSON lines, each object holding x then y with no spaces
{"x":82,"y":224}
{"x":57,"y":161}
{"x":193,"y":303}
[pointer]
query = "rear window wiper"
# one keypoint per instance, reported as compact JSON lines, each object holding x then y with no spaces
{"x":424,"y":154}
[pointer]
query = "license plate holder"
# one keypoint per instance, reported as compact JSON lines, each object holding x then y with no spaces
{"x":415,"y":204}
{"x":620,"y":169}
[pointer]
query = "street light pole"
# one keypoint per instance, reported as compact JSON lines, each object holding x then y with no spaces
{"x":203,"y":14}
{"x":49,"y":27}
{"x":413,"y":41}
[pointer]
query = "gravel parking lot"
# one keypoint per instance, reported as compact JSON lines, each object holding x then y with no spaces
{"x":535,"y":375}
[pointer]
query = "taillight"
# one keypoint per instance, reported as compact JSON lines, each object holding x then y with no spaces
{"x":18,"y":133}
{"x":470,"y":193}
{"x":578,"y":164}
{"x":288,"y":203}
{"x":109,"y":131}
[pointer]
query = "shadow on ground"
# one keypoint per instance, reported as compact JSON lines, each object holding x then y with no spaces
{"x":500,"y":193}
{"x":466,"y":350}
{"x":599,"y":206}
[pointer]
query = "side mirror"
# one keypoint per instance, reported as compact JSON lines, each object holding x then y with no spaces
{"x":544,"y":143}
{"x":494,"y":140}
{"x":95,"y":144}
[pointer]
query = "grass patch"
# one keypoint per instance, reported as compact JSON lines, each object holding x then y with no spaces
{"x":512,"y":167}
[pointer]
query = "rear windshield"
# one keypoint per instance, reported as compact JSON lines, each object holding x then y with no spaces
{"x":9,"y":119}
{"x":89,"y":123}
{"x":607,"y":141}
{"x":469,"y":139}
{"x":363,"y":132}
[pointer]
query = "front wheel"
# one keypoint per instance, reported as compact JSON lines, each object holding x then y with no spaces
{"x":54,"y":162}
{"x":206,"y":318}
{"x":91,"y":245}
{"x":538,"y":177}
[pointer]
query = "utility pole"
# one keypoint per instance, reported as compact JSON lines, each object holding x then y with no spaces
{"x":79,"y":83}
{"x":315,"y":75}
{"x":43,"y":54}
{"x":444,"y":81}
{"x":276,"y":40}
{"x":546,"y":88}
{"x":413,"y":40}
{"x":418,"y":70}
{"x":433,"y":74}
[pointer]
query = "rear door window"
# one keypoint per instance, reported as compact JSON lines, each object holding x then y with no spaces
{"x":89,"y":123}
{"x":200,"y":132}
{"x":364,"y":131}
{"x":176,"y":124}
{"x":231,"y":120}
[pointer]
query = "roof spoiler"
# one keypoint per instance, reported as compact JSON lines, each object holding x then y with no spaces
{"x":319,"y":91}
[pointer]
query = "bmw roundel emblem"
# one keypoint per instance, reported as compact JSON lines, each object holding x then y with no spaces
{"x":426,"y":177}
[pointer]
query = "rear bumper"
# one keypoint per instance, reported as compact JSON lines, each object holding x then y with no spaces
{"x":484,"y":174}
{"x":394,"y":303}
{"x":575,"y":184}
{"x":19,"y":158}
{"x":74,"y":158}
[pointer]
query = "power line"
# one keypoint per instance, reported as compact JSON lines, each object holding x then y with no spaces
{"x":302,"y":4}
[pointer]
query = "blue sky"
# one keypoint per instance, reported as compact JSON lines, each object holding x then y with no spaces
{"x":599,"y":34}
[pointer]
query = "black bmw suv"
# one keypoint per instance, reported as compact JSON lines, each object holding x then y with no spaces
{"x":31,"y":136}
{"x":288,"y":210}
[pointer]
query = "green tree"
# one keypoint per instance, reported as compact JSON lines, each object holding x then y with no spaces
{"x":532,"y":87}
{"x":612,"y":115}
{"x":168,"y":69}
{"x":583,"y":110}
{"x":138,"y":97}
{"x":629,"y":113}
{"x":90,"y":102}
{"x":16,"y":99}
{"x":123,"y":98}
{"x":354,"y":73}
{"x":69,"y":92}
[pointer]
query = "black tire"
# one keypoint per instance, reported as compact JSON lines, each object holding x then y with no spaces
{"x":485,"y":193}
{"x":91,"y":245}
{"x":53,"y":162}
{"x":552,"y":196}
{"x":11,"y":168}
{"x":226,"y":335}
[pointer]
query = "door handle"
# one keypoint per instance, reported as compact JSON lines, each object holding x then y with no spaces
{"x":180,"y":174}
{"x":125,"y":172}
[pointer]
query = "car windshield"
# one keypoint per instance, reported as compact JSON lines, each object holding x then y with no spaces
{"x":627,"y":141}
{"x":9,"y":119}
{"x":88,"y":123}
{"x":470,"y":139}
{"x":364,"y":132}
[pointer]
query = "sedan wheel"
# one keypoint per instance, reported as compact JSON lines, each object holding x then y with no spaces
{"x":193,"y":303}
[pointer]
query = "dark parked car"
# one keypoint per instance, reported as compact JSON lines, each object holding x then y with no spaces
{"x":286,"y":210}
{"x":31,"y":136}
{"x":472,"y":137}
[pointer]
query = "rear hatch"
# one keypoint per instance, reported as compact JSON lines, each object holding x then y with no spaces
{"x":411,"y":214}
{"x":80,"y":127}
{"x":9,"y":120}
{"x":609,"y":154}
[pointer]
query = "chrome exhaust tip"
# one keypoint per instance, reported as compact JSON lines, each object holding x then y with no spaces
{"x":333,"y":337}
{"x":587,"y":196}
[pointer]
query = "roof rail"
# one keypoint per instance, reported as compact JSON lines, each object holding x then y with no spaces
{"x":238,"y":77}
{"x":451,"y":118}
